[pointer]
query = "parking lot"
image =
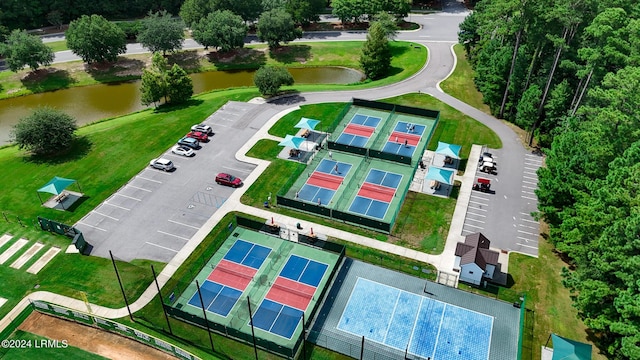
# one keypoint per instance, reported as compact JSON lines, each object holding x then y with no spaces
{"x":156,"y":213}
{"x":504,"y":215}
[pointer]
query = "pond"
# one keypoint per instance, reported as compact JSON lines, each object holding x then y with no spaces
{"x":91,"y":103}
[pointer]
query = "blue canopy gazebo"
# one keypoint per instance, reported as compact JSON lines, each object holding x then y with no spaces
{"x":56,"y":186}
{"x":441,"y":175}
{"x":567,"y":349}
{"x":450,"y":150}
{"x":292,"y":141}
{"x":306,"y":123}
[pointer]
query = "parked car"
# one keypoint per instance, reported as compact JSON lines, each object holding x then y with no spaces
{"x":162,"y":164}
{"x":200,"y":136}
{"x":228,"y":180}
{"x":183,"y":150}
{"x":189,"y":142}
{"x":203,"y":128}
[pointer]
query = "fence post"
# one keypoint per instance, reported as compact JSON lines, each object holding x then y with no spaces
{"x":362,"y":349}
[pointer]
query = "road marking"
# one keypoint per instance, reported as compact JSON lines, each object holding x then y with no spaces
{"x":479,"y":203}
{"x":528,"y":233}
{"x":533,"y":247}
{"x":529,"y":177}
{"x":107,"y":216}
{"x":533,"y":156}
{"x":525,"y":239}
{"x":120,"y":207}
{"x":474,"y":226}
{"x":237,"y":169}
{"x":160,"y":246}
{"x":528,"y":192}
{"x":530,"y":227}
{"x":530,"y":182}
{"x":144,"y":178}
{"x":91,"y":226}
{"x":179,"y":223}
{"x":139,"y":188}
{"x":179,"y":237}
{"x":530,"y":187}
{"x":530,"y":168}
{"x":132,"y":198}
{"x":470,"y":213}
{"x":425,"y":36}
{"x":529,"y":198}
{"x":474,"y":208}
{"x":478,"y":197}
{"x":531,"y":221}
{"x":469,"y":231}
{"x":480,"y":221}
{"x":530,"y":173}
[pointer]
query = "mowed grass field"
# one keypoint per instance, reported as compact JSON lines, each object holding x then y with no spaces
{"x":460,"y":84}
{"x":38,"y":349}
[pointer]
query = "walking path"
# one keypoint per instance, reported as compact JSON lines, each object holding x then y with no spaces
{"x":440,"y":65}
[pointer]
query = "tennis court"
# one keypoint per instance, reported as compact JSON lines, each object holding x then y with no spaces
{"x":376,"y":193}
{"x":359,"y":130}
{"x":230,"y":277}
{"x":324,"y":181}
{"x":404,"y":139}
{"x":281,"y":310}
{"x":414,"y":323}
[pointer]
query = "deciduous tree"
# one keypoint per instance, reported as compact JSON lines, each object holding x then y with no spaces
{"x":95,"y":39}
{"x":222,"y":30}
{"x":159,"y":82}
{"x":46,"y":131}
{"x":160,"y":32}
{"x":22,"y":49}
{"x":375,"y":59}
{"x":192,"y":11}
{"x":179,"y":85}
{"x":269,"y":79}
{"x":277,"y":26}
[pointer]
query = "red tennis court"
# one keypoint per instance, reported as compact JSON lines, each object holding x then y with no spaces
{"x":400,"y":137}
{"x":360,"y":130}
{"x":291,"y":293}
{"x":232,"y":274}
{"x":377,"y":192}
{"x":325,"y":180}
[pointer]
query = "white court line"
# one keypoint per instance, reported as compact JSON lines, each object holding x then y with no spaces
{"x":130,"y":197}
{"x":479,"y":197}
{"x":533,"y":247}
{"x":392,"y":313}
{"x":139,"y":188}
{"x":91,"y":226}
{"x":433,"y":356}
{"x":480,"y":221}
{"x":529,"y":198}
{"x":107,"y":216}
{"x":479,"y":203}
{"x":177,"y":236}
{"x":474,"y":226}
{"x":531,"y":221}
{"x":179,"y":223}
{"x":530,"y":227}
{"x":120,"y":207}
{"x":477,"y":209}
{"x":144,"y":178}
{"x":162,"y":247}
{"x":470,"y":213}
{"x":528,"y":233}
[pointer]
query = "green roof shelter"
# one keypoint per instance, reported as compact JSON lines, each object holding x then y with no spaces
{"x":56,"y":186}
{"x":567,"y":349}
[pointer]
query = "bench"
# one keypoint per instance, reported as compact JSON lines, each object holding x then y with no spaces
{"x":61,"y":197}
{"x":305,"y":133}
{"x":294,"y":153}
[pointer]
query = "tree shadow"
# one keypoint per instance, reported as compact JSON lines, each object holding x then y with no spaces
{"x":238,"y":59}
{"x":165,"y":108}
{"x":292,"y":53}
{"x":122,"y":70}
{"x":80,"y":147}
{"x":47,"y":80}
{"x":289,"y":97}
{"x":186,"y":59}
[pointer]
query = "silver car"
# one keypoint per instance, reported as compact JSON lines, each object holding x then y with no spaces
{"x":162,"y":164}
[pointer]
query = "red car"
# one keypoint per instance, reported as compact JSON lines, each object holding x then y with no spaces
{"x":228,"y":180}
{"x":200,"y":136}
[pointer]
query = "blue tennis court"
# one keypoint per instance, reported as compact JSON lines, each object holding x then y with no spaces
{"x":276,"y":318}
{"x":353,"y":140}
{"x":400,"y":149}
{"x":314,"y":193}
{"x":420,"y":325}
{"x":405,"y":127}
{"x":304,"y":270}
{"x":329,"y":166}
{"x":247,"y":253}
{"x":384,"y":178}
{"x":217,"y":298}
{"x":370,"y":206}
{"x":360,"y":119}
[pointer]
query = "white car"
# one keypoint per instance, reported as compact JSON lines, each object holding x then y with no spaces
{"x":162,"y":164}
{"x":183,"y":150}
{"x":202,"y":128}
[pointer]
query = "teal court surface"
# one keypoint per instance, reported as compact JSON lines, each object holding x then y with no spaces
{"x":280,"y":279}
{"x":403,"y":317}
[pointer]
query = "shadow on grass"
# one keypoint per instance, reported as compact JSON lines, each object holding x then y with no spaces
{"x":165,"y":108}
{"x":47,"y":80}
{"x":238,"y":59}
{"x":290,"y":54}
{"x":77,"y":203}
{"x":80,"y":147}
{"x":189,"y":60}
{"x":122,"y":70}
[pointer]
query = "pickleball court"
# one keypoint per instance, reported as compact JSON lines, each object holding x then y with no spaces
{"x":404,"y":139}
{"x":324,"y":181}
{"x":359,"y":130}
{"x":376,"y":193}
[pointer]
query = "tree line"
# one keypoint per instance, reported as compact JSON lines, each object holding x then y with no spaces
{"x":568,"y":71}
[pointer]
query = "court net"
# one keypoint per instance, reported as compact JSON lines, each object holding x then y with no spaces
{"x":327,"y":177}
{"x":292,"y":290}
{"x":230,"y":271}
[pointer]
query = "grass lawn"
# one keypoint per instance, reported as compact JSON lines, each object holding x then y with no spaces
{"x":460,"y":84}
{"x":58,"y":45}
{"x":49,"y":353}
{"x":326,"y":113}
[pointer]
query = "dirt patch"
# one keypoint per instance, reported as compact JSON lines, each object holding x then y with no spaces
{"x":90,"y":339}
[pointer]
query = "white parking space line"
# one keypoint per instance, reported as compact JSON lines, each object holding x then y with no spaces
{"x":91,"y":226}
{"x":529,"y":227}
{"x":474,"y":208}
{"x":144,"y":178}
{"x":162,"y":247}
{"x":128,"y":197}
{"x":480,"y":221}
{"x":532,"y":156}
{"x":474,"y":226}
{"x":530,"y":182}
{"x":107,"y":216}
{"x":469,"y":231}
{"x":525,"y":239}
{"x":528,"y":198}
{"x":479,"y":203}
{"x":470,"y":213}
{"x":530,"y":177}
{"x":179,"y":237}
{"x":529,"y":187}
{"x":531,"y":221}
{"x":187,"y":225}
{"x":533,"y":247}
{"x":139,"y":188}
{"x":533,"y":173}
{"x":478,"y":197}
{"x":530,"y":168}
{"x":237,"y":169}
{"x":119,"y":207}
{"x":528,"y":192}
{"x":528,"y":233}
